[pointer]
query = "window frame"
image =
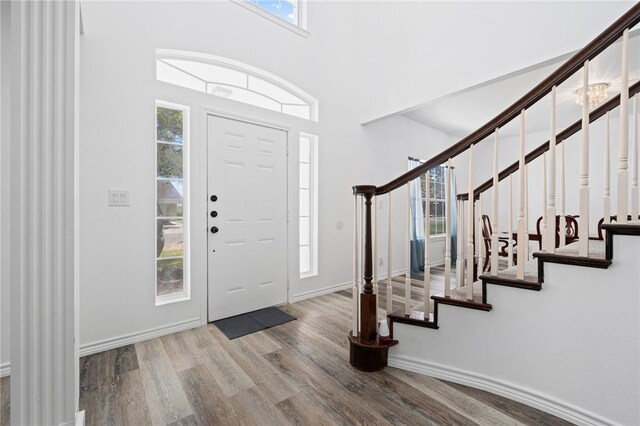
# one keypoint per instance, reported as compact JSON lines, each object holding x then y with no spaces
{"x":437,"y":200}
{"x":185,"y":294}
{"x":313,"y":207}
{"x":300,"y":29}
{"x":162,"y":55}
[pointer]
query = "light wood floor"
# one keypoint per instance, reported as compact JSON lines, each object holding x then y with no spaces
{"x":296,"y":373}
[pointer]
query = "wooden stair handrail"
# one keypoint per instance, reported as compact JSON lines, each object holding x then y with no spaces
{"x":566,"y":70}
{"x":561,"y":137}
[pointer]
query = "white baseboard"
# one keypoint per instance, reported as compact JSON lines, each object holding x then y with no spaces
{"x":321,"y":292}
{"x":139,"y":336}
{"x":508,"y":390}
{"x":5,"y":369}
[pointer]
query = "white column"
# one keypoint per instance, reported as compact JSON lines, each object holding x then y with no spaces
{"x":551,"y":202}
{"x":355,"y":290}
{"x":494,"y":209}
{"x":407,"y":277}
{"x":389,"y":272}
{"x":43,"y":120}
{"x":447,"y":242}
{"x":427,"y":249}
{"x":521,"y":206}
{"x":583,"y":227}
{"x":510,"y":224}
{"x":634,"y":159}
{"x":623,"y":144}
{"x":607,"y":172}
{"x":469,"y":278}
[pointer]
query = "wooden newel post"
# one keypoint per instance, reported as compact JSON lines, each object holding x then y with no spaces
{"x":366,"y":351}
{"x":368,"y":302}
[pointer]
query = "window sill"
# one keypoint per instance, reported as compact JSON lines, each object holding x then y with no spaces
{"x":438,"y":237}
{"x":308,"y":275}
{"x":172,"y":298}
{"x":257,"y":9}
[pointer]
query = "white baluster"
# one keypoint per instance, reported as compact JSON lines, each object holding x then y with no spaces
{"x":521,"y":204}
{"x":634,"y":158}
{"x":510,"y":224}
{"x":374,"y":243}
{"x":447,"y":243}
{"x":563,"y":220}
{"x":469,"y":278}
{"x":527,"y":251}
{"x":460,"y":247}
{"x":389,"y":285}
{"x":479,"y":237}
{"x":607,"y":172}
{"x":551,"y":207}
{"x":543,"y":223}
{"x":583,"y":228}
{"x":494,"y":209}
{"x":427,"y":249}
{"x":407,"y":278}
{"x":356,"y":262}
{"x":623,"y":144}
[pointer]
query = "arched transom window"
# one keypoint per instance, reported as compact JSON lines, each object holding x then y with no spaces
{"x":234,"y":80}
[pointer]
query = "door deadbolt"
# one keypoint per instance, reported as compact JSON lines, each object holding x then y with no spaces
{"x":214,"y":229}
{"x":214,"y":213}
{"x":214,"y":198}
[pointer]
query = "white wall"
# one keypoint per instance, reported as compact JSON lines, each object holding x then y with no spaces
{"x":570,"y":349}
{"x":118,"y":90}
{"x":421,"y":51}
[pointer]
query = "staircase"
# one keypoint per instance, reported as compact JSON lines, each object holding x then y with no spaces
{"x":571,"y":344}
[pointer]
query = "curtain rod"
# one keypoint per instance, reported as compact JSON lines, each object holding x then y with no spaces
{"x":422,"y":161}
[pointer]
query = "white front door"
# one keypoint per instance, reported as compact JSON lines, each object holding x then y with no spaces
{"x":247,"y":217}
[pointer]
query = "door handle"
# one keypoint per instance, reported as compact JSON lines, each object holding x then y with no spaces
{"x":214,"y":213}
{"x":214,"y":229}
{"x":214,"y":198}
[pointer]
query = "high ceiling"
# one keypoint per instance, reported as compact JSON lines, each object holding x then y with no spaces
{"x":461,"y":113}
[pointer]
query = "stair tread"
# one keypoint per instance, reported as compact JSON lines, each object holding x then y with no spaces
{"x":458,"y":296}
{"x":596,"y":249}
{"x":530,"y":271}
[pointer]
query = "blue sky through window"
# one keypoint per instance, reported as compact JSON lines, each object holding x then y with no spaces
{"x":283,"y":9}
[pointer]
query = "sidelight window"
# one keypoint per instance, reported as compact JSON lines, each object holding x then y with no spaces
{"x":308,"y":214}
{"x":171,"y":203}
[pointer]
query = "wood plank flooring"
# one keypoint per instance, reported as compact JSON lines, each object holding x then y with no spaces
{"x":297,"y":373}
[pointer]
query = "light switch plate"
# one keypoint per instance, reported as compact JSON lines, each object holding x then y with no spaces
{"x":119,"y":197}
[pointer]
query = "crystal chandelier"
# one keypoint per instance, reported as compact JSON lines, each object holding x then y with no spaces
{"x":596,"y":93}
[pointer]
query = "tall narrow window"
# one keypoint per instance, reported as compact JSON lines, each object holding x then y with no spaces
{"x":308,"y":205}
{"x":172,"y":124}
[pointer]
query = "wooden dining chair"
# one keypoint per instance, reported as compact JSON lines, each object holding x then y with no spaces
{"x":503,"y":243}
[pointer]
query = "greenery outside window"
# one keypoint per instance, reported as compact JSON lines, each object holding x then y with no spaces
{"x":171,"y":263}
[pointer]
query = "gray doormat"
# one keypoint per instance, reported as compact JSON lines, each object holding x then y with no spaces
{"x":248,"y":323}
